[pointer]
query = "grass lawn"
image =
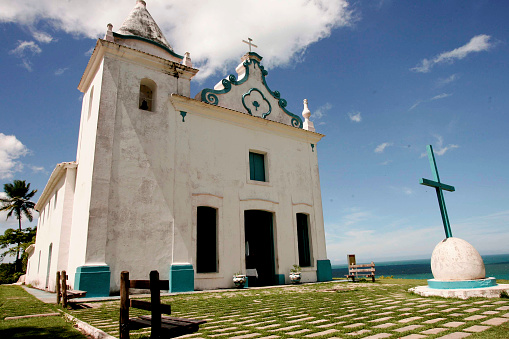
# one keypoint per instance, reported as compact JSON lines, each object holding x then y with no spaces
{"x":325,"y":310}
{"x":14,"y":301}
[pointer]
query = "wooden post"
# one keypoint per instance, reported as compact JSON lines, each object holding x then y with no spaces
{"x":58,"y":287}
{"x":155,"y":301}
{"x":63,"y":277}
{"x":124,"y":305}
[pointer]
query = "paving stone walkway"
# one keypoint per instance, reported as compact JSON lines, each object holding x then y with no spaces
{"x":368,"y":311}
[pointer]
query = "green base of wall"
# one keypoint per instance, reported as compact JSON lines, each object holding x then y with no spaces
{"x":323,"y":270}
{"x":93,"y":279}
{"x":280,"y":279}
{"x":181,"y":278}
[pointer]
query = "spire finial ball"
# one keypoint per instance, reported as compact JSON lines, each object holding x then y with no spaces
{"x":306,"y":113}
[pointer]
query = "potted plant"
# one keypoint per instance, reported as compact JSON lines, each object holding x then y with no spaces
{"x":295,"y":274}
{"x":239,"y":280}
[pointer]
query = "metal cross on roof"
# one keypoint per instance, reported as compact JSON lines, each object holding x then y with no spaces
{"x":249,"y":43}
{"x":438,"y":187}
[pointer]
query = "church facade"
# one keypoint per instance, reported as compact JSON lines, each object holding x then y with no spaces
{"x":197,"y":188}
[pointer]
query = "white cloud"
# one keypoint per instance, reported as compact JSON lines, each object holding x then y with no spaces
{"x":355,"y":116}
{"x":10,"y":150}
{"x":24,"y":46}
{"x":211,"y":31}
{"x":436,"y":97}
{"x":37,"y":169}
{"x":478,"y":43}
{"x":439,"y":148}
{"x":440,"y":96}
{"x":386,"y":162}
{"x":444,"y":81}
{"x":90,"y":51}
{"x":380,"y":148}
{"x":42,"y":37}
{"x":320,"y":112}
{"x":61,"y":71}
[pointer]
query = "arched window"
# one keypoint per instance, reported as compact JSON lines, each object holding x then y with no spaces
{"x":147,"y":94}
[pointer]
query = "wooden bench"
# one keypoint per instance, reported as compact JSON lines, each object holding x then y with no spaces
{"x":160,"y":326}
{"x":64,"y":294}
{"x":355,"y":271}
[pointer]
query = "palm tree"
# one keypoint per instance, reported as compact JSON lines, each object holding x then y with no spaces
{"x":18,"y":203}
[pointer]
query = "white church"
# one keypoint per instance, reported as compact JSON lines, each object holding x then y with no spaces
{"x":197,"y":188}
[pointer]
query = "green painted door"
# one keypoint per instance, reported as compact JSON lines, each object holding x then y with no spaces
{"x":259,"y":234}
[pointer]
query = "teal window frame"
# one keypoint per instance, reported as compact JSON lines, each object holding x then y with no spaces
{"x":257,"y":168}
{"x":303,"y":241}
{"x":206,"y":239}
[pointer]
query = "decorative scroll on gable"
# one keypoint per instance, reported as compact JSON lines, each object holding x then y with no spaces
{"x":250,"y":94}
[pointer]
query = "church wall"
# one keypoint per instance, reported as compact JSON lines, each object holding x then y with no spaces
{"x":140,"y":188}
{"x":83,"y":186}
{"x":213,"y":160}
{"x":52,"y":229}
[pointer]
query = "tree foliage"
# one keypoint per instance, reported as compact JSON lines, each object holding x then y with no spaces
{"x":18,"y":201}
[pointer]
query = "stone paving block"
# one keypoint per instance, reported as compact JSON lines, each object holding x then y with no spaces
{"x":354,"y":325}
{"x":413,"y":336}
{"x":285,"y":328}
{"x":301,"y":319}
{"x":455,"y":335}
{"x":230,"y":335}
{"x":360,"y":318}
{"x":500,"y":302}
{"x":378,"y":336}
{"x":453,"y":324}
{"x":434,"y":330}
{"x":475,"y":317}
{"x":407,"y":320}
{"x":476,"y":328}
{"x":481,"y":302}
{"x":298,"y":316}
{"x":385,"y":313}
{"x":225,"y":329}
{"x":384,"y":325}
{"x":330,"y":324}
{"x":317,"y":321}
{"x":407,"y":328}
{"x":470,"y":310}
{"x":270,"y":337}
{"x":450,"y":309}
{"x":432,"y":321}
{"x":359,"y":332}
{"x":380,"y":319}
{"x":506,"y":315}
{"x":405,"y":309}
{"x":268,"y":326}
{"x":319,"y":334}
{"x":456,"y":314}
{"x":424,"y":310}
{"x":495,"y":321}
{"x":304,"y":330}
{"x":490,"y":312}
{"x":249,"y":335}
{"x":503,"y":308}
{"x":345,"y":316}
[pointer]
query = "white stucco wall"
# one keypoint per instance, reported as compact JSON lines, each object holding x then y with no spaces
{"x":53,"y":228}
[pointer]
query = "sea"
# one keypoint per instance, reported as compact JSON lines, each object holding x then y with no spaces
{"x":496,"y":266}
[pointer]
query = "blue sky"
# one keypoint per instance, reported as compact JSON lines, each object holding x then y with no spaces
{"x":383,"y":79}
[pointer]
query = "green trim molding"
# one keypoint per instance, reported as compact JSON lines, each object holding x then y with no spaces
{"x":181,"y":278}
{"x":95,"y":280}
{"x":255,"y":103}
{"x":280,"y":279}
{"x":209,"y":95}
{"x":323,"y":270}
{"x":135,"y":37}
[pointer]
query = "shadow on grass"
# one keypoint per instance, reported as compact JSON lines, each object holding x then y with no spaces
{"x":48,"y":327}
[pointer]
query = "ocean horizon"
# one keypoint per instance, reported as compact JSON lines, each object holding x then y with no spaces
{"x":496,"y":266}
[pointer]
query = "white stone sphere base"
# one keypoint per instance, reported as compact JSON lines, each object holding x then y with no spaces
{"x":462,"y":293}
{"x":454,"y":259}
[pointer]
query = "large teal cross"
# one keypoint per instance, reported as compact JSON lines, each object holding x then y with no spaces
{"x":438,"y":187}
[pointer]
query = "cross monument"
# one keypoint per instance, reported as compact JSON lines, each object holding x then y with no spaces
{"x":438,"y":187}
{"x":249,"y":42}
